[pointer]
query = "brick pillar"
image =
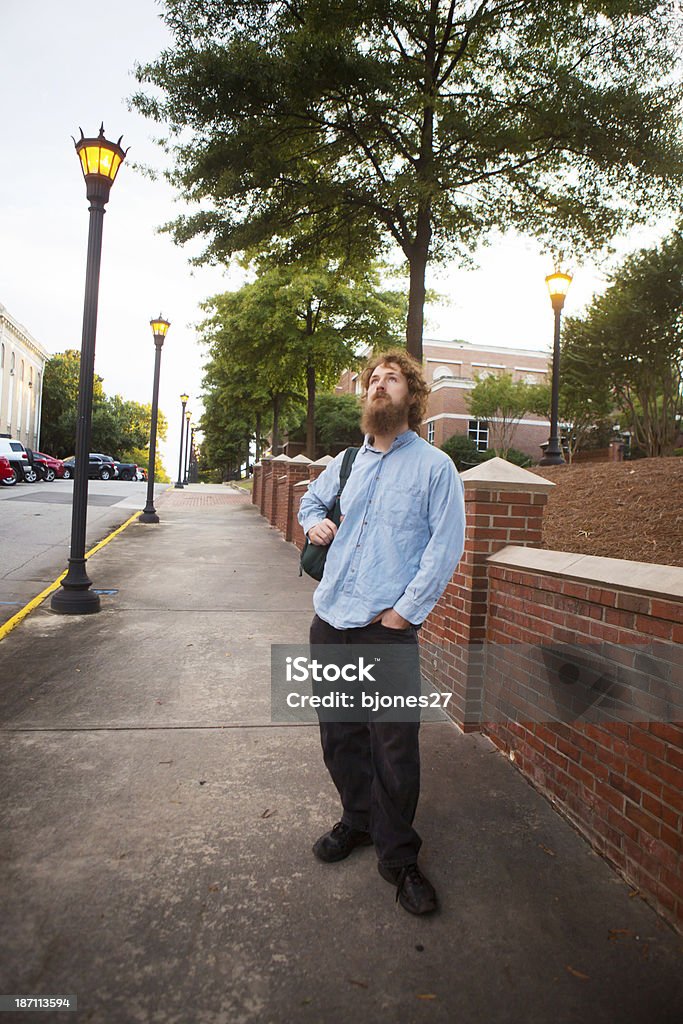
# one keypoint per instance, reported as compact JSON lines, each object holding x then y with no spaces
{"x":296,"y":533}
{"x":278,"y":465}
{"x":258,"y":481}
{"x":616,"y":451}
{"x":503,"y":505}
{"x":266,"y":483}
{"x":298,"y":487}
{"x":297,"y":471}
{"x":317,"y":467}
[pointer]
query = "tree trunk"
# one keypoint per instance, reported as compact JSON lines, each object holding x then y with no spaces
{"x":275,"y":443}
{"x":257,"y":452}
{"x":310,"y":411}
{"x":419,"y":250}
{"x":416,"y":294}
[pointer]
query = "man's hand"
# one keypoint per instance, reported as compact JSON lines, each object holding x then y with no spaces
{"x":322,"y":533}
{"x":391,"y":619}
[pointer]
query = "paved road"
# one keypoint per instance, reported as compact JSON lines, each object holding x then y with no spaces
{"x":35,"y":530}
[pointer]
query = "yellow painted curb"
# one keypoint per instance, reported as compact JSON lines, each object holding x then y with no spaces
{"x":8,"y":626}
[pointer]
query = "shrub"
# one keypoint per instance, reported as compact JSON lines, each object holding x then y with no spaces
{"x":463,"y":450}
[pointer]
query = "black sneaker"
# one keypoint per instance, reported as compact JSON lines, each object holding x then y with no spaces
{"x":340,"y":842}
{"x":414,"y":892}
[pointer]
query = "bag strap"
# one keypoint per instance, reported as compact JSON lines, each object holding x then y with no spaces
{"x":346,"y":466}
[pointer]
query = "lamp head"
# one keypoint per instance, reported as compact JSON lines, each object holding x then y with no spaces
{"x":188,"y":415}
{"x":100,"y":161}
{"x":558,"y":286}
{"x":184,"y":399}
{"x":159,"y":327}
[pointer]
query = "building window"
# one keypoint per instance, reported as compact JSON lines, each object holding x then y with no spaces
{"x":430,"y":432}
{"x":441,"y":372}
{"x":478,"y":430}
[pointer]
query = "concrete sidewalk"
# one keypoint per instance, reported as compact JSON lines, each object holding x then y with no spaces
{"x":157,"y":827}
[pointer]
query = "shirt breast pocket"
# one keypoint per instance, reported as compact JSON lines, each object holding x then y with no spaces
{"x":402,"y":508}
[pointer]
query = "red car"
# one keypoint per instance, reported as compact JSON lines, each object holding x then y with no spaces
{"x":8,"y":475}
{"x":49,"y":466}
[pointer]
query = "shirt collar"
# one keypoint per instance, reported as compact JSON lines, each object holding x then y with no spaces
{"x":407,"y":437}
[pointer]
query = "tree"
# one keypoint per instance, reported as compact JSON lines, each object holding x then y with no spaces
{"x":337,"y":422}
{"x":345,"y":125}
{"x":630,"y":343}
{"x":119,"y":426}
{"x":296,"y":328}
{"x":503,"y":402}
{"x":60,"y":402}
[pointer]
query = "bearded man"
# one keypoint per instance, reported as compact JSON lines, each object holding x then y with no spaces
{"x":400,"y":539}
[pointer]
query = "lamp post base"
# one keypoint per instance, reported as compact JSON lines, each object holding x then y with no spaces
{"x":552,"y":459}
{"x":149,"y":516}
{"x":179,"y":486}
{"x":74,"y":597}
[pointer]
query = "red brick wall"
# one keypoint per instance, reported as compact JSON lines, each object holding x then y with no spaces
{"x":458,"y":622}
{"x":620,"y":783}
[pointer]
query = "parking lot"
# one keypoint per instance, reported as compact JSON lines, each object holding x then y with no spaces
{"x":35,"y":531}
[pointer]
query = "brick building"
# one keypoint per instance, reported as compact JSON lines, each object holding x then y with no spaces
{"x":451,"y":368}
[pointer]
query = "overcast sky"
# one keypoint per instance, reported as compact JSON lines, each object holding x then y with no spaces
{"x":69,"y":64}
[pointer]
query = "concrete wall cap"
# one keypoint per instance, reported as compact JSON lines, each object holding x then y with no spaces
{"x":325,"y":461}
{"x":498,"y":475}
{"x":282,"y":458}
{"x":636,"y":577}
{"x":302,"y":459}
{"x":300,"y":483}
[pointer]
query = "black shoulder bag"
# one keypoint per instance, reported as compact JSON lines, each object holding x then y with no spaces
{"x":313,"y":556}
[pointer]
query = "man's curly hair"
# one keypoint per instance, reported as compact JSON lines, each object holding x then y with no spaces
{"x":412,"y":371}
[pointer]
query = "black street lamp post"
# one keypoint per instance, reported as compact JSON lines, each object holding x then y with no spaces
{"x":188,"y":417}
{"x":193,"y":458}
{"x":558,"y":286}
{"x":179,"y":481}
{"x":100,"y":161}
{"x":159,"y":329}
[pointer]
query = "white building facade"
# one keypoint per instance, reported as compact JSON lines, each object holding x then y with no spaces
{"x":22,"y":367}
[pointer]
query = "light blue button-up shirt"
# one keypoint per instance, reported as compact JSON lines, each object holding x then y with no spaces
{"x":401,"y":537}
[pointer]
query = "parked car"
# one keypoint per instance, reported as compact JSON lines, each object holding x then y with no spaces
{"x":100,"y":467}
{"x":51,"y":468}
{"x":8,"y":474}
{"x":126,"y":470}
{"x":16,"y":455}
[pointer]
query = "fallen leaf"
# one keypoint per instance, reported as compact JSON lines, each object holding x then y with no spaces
{"x":425,"y":995}
{"x":615,"y":933}
{"x":361,"y":984}
{"x":268,"y":813}
{"x":202,"y":782}
{"x":577,"y":974}
{"x":546,"y":849}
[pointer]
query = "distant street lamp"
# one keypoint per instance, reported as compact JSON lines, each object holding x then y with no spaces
{"x":100,"y":161}
{"x":193,"y":459}
{"x":188,"y":417}
{"x":558,"y":286}
{"x":179,"y":481}
{"x":159,"y":329}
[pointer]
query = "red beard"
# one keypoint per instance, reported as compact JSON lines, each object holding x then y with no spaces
{"x":382,"y":416}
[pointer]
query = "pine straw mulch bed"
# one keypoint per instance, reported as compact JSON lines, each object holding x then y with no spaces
{"x":631,"y":510}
